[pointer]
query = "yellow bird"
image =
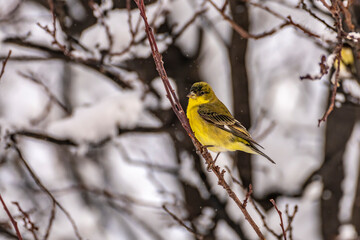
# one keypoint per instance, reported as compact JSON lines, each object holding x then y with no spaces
{"x":214,"y":126}
{"x":347,"y":64}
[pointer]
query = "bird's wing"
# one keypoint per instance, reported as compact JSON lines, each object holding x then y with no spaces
{"x":221,"y":118}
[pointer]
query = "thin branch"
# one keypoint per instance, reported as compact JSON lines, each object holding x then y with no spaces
{"x":104,"y":69}
{"x":44,"y":137}
{"x":52,"y":97}
{"x":243,"y":33}
{"x":287,"y":20}
{"x":290,"y":218}
{"x":100,"y":16}
{"x":4,"y":64}
{"x":13,"y":222}
{"x":189,"y":23}
{"x":28,"y":223}
{"x":323,"y":71}
{"x":263,"y":218}
{"x":52,"y":32}
{"x":42,"y":186}
{"x":181,"y":222}
{"x":280,"y":216}
{"x":248,"y":194}
{"x":51,"y":221}
{"x":335,"y":11}
{"x":304,"y":7}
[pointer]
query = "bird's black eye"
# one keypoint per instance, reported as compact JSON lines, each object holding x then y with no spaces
{"x":201,"y":93}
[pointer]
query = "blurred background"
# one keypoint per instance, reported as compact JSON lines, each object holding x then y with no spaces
{"x":91,"y":149}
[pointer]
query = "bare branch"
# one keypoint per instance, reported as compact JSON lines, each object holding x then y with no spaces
{"x":52,"y":97}
{"x":290,"y":218}
{"x":28,"y":223}
{"x":13,"y":222}
{"x":280,"y":216}
{"x":323,"y":71}
{"x":186,"y":25}
{"x":248,"y":194}
{"x":304,"y":7}
{"x":335,"y":11}
{"x":181,"y":222}
{"x":42,"y":186}
{"x":100,"y":16}
{"x":263,"y":218}
{"x":52,"y":32}
{"x":51,"y":221}
{"x":4,"y":64}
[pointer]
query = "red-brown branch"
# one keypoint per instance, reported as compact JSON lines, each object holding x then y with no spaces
{"x":280,"y":216}
{"x":248,"y":194}
{"x":178,"y":110}
{"x":335,"y":10}
{"x":323,"y":71}
{"x":28,"y":223}
{"x":62,"y":47}
{"x":13,"y":222}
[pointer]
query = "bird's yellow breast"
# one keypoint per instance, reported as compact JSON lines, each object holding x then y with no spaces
{"x":216,"y":139}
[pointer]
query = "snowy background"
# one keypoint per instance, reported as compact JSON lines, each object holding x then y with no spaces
{"x":103,"y":140}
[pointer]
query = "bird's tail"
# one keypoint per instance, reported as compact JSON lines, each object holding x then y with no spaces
{"x":262,"y":154}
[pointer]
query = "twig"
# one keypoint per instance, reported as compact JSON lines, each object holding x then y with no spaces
{"x":248,"y":194}
{"x":132,"y":32}
{"x":287,"y":21}
{"x":304,"y":7}
{"x":13,"y":222}
{"x":335,"y":11}
{"x":290,"y":218}
{"x":347,"y":15}
{"x":51,"y":220}
{"x":178,"y":110}
{"x":28,"y":223}
{"x":323,"y":71}
{"x":263,"y":218}
{"x":41,"y":185}
{"x":237,"y":181}
{"x":280,"y":216}
{"x":225,"y":5}
{"x":52,"y":97}
{"x":100,"y":16}
{"x":261,"y":135}
{"x":181,"y":222}
{"x":44,"y":137}
{"x":33,"y":78}
{"x":186,"y":25}
{"x":4,"y":64}
{"x":105,"y":69}
{"x":243,"y":33}
{"x":53,"y":32}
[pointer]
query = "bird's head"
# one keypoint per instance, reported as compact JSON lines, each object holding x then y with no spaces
{"x":201,"y":92}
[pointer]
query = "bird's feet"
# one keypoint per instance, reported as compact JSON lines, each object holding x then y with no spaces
{"x":212,"y":164}
{"x":205,"y":147}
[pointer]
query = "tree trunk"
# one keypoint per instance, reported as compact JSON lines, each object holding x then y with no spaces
{"x":237,"y":53}
{"x":339,"y":127}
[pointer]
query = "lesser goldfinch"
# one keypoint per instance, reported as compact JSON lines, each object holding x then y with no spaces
{"x":214,"y":126}
{"x":347,"y":63}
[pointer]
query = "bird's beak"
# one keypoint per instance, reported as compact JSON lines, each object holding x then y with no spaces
{"x":191,"y":95}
